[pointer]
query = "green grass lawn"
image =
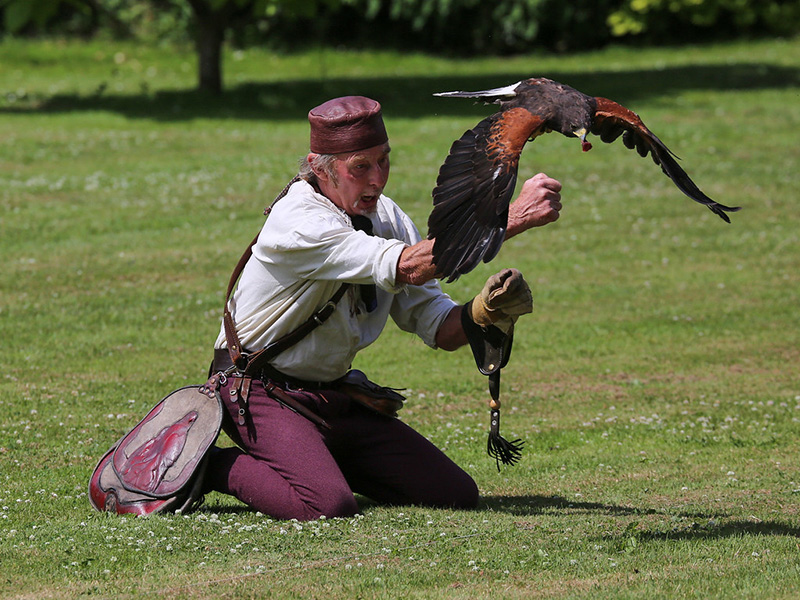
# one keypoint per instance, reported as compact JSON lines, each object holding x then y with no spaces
{"x":657,"y":383}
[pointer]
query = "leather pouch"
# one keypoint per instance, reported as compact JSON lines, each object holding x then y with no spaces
{"x":384,"y":400}
{"x":159,"y":464}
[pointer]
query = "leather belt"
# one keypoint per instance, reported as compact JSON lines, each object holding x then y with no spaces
{"x":223,"y":362}
{"x":273,"y":386}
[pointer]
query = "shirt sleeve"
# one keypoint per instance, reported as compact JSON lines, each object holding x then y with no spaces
{"x":418,"y":309}
{"x":314,"y":243}
{"x":421,"y":309}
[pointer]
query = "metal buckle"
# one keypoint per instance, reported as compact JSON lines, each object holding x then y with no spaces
{"x":324,"y":312}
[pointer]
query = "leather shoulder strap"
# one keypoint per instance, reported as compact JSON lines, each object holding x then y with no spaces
{"x":231,"y":338}
{"x":253,"y":364}
{"x":250,"y":363}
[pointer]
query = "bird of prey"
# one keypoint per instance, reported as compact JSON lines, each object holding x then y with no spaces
{"x":476,"y":181}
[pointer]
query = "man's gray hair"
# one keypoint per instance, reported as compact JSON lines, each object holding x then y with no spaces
{"x":323,"y":162}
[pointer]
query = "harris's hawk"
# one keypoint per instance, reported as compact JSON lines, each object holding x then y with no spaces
{"x":476,"y":181}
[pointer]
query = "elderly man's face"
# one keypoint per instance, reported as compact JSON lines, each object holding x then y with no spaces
{"x":360,"y":179}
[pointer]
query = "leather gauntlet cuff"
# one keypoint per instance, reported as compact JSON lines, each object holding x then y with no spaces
{"x":491,"y":346}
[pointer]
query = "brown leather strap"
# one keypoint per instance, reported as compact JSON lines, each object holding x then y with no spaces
{"x":234,"y":345}
{"x":281,"y":396}
{"x":254,"y":362}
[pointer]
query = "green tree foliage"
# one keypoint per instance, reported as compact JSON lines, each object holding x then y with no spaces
{"x":19,"y":13}
{"x":207,"y":22}
{"x":454,"y":26}
{"x":659,"y":19}
{"x":499,"y":24}
{"x":143,"y":19}
{"x":507,"y":26}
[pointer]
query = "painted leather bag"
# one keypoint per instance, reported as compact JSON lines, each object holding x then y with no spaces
{"x":159,"y":465}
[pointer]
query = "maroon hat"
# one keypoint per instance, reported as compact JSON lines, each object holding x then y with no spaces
{"x":346,"y":124}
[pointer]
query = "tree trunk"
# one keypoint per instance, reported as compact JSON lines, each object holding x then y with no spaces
{"x":211,"y":27}
{"x":210,"y":35}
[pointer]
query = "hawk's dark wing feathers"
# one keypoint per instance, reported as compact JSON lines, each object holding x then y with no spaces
{"x":470,"y":203}
{"x":612,"y":120}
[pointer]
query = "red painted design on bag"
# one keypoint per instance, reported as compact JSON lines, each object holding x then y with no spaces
{"x":145,"y":468}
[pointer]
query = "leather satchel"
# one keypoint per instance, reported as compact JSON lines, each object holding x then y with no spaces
{"x":159,"y":464}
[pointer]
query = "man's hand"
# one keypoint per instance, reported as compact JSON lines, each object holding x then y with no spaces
{"x":504,"y":297}
{"x":539,"y":203}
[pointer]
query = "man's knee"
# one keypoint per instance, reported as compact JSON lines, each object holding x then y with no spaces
{"x":457,"y":492}
{"x":342,"y":505}
{"x":466,"y":494}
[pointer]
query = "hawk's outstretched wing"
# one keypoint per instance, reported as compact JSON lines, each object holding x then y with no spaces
{"x":612,"y":120}
{"x":474,"y":188}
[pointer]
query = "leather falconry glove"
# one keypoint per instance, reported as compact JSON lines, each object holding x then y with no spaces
{"x":504,"y":298}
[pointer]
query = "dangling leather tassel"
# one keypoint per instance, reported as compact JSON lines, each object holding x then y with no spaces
{"x":498,"y":447}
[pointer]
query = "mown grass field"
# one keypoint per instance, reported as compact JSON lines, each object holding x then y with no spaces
{"x":656,"y":384}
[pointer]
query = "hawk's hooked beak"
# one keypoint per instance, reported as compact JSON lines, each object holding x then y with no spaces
{"x":582,"y":133}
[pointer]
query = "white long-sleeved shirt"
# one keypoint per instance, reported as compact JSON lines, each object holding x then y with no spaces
{"x":305,"y":251}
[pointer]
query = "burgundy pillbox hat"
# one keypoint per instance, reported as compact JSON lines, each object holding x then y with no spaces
{"x":346,"y":124}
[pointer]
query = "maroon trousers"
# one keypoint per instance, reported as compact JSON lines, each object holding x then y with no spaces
{"x":289,"y":468}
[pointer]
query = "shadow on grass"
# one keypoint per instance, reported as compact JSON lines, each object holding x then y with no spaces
{"x":531,"y":505}
{"x":722,"y":530}
{"x":710,"y":525}
{"x":409,"y":96}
